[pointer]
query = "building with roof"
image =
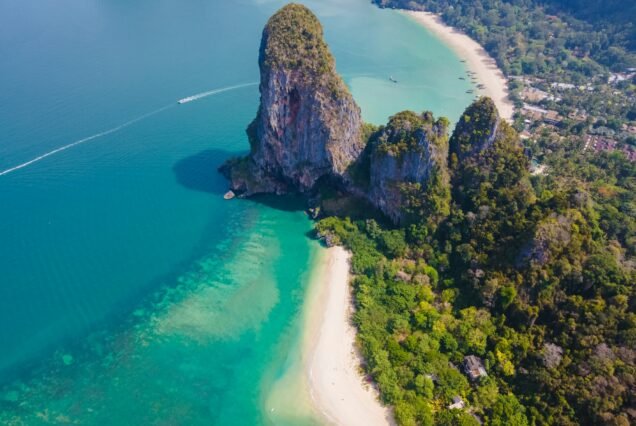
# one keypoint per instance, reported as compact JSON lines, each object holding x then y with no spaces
{"x":474,"y":367}
{"x":458,"y":403}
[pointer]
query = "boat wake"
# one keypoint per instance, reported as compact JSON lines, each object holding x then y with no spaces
{"x":121,"y":126}
{"x":81,"y":141}
{"x":213,"y":92}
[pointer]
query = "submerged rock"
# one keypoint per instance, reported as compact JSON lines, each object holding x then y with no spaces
{"x":11,"y":396}
{"x":67,"y":359}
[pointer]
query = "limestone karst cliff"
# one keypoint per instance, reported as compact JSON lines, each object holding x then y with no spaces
{"x":476,"y":130}
{"x":307,"y":125}
{"x":308,"y":129}
{"x":485,"y":152}
{"x":408,"y":171}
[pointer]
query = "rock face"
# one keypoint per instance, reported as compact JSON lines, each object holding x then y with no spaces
{"x":408,"y":160}
{"x":307,"y":125}
{"x":551,"y":237}
{"x":476,"y":130}
{"x":308,"y":130}
{"x":485,"y":153}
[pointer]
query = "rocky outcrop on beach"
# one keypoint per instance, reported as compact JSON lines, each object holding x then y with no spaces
{"x":307,"y":126}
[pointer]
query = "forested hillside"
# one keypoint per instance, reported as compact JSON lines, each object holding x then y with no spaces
{"x":571,"y":59}
{"x":617,"y":15}
{"x":517,"y":307}
{"x":605,"y":31}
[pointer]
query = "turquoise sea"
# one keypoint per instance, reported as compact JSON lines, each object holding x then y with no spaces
{"x":130,"y":291}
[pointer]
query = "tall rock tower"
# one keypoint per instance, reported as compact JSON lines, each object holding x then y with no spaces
{"x":307,"y":125}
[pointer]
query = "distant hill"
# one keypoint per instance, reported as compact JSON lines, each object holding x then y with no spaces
{"x":614,"y":19}
{"x":597,"y":9}
{"x":618,"y":14}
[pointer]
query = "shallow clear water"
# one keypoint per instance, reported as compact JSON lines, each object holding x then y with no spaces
{"x":130,"y":291}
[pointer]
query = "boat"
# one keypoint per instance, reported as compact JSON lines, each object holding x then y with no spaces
{"x":393,"y":79}
{"x":462,"y":78}
{"x":186,"y":100}
{"x":469,"y":91}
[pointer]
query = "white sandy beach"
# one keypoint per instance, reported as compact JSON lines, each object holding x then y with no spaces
{"x":477,"y":60}
{"x":337,"y":388}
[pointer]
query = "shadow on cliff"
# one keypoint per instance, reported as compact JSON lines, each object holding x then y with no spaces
{"x":199,"y":172}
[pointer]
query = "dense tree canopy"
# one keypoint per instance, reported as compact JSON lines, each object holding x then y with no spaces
{"x":534,"y":276}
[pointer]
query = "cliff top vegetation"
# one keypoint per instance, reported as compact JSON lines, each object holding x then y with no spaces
{"x":293,"y":38}
{"x":405,"y":130}
{"x":531,"y":277}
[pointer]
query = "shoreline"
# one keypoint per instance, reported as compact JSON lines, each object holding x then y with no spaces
{"x":476,"y":57}
{"x":331,"y":361}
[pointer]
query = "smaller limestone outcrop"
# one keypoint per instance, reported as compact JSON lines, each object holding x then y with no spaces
{"x":308,"y":137}
{"x":486,"y":154}
{"x":476,"y":130}
{"x":408,"y":172}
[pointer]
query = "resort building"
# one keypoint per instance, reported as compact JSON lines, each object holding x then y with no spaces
{"x":535,"y":113}
{"x":474,"y":367}
{"x":458,"y":403}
